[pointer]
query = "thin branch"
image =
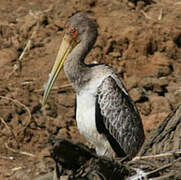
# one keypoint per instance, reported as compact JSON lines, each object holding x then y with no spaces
{"x":148,"y":17}
{"x":7,"y":158}
{"x":151,"y":173}
{"x":5,"y":124}
{"x":8,"y":128}
{"x":29,"y":119}
{"x":164,"y":177}
{"x":178,"y":3}
{"x":20,"y":152}
{"x":178,"y":151}
{"x":21,"y":104}
{"x":160,"y":15}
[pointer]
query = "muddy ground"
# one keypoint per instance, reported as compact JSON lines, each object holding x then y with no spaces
{"x":141,"y":41}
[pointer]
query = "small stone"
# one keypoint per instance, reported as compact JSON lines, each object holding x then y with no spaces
{"x":152,"y":121}
{"x":147,"y":82}
{"x":173,"y":86}
{"x":66,"y":100}
{"x":154,"y":84}
{"x":161,"y":64}
{"x":137,"y":94}
{"x":144,"y":108}
{"x":131,"y":82}
{"x":115,"y":54}
{"x":171,"y":98}
{"x":59,"y":23}
{"x":63,"y":132}
{"x":110,"y":46}
{"x":159,"y":104}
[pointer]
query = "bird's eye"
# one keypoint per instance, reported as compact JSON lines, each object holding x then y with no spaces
{"x":72,"y":31}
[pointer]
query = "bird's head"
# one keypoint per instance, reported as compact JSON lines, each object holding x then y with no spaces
{"x":78,"y":29}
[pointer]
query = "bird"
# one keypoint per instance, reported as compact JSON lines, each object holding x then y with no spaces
{"x":105,"y":113}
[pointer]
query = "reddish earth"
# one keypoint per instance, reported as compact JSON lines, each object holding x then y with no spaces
{"x":141,"y":42}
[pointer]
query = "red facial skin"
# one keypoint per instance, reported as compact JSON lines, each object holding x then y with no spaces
{"x":72,"y":31}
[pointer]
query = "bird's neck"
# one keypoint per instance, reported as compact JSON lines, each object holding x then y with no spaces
{"x":75,"y":68}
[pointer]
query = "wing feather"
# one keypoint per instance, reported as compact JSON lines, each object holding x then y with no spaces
{"x":119,"y":117}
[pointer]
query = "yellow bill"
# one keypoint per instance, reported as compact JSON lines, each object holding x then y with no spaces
{"x":68,"y":43}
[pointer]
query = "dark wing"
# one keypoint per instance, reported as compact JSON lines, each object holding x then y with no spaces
{"x":118,"y":118}
{"x":102,"y":129}
{"x":75,"y":107}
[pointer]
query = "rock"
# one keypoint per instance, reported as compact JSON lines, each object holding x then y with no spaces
{"x":159,"y":104}
{"x":161,"y":64}
{"x":110,"y":46}
{"x":66,"y":100}
{"x":147,"y":82}
{"x":157,"y":85}
{"x":63,"y":132}
{"x":174,"y":92}
{"x":136,"y":94}
{"x":153,"y":120}
{"x":115,"y":54}
{"x":144,"y":108}
{"x":58,"y":23}
{"x":70,"y":113}
{"x":171,"y":98}
{"x":51,"y":110}
{"x":177,"y":95}
{"x":174,"y":86}
{"x":174,"y":98}
{"x":131,"y":82}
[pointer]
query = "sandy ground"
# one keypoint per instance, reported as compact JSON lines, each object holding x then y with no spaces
{"x":141,"y":42}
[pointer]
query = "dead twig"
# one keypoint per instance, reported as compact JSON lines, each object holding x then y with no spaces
{"x":24,"y":106}
{"x":153,"y":173}
{"x":121,"y":160}
{"x":97,"y":173}
{"x":178,"y":3}
{"x":5,"y":124}
{"x":18,"y":66}
{"x":8,"y":128}
{"x":178,"y":151}
{"x":164,"y":177}
{"x":148,"y":17}
{"x":7,"y":158}
{"x":19,"y":152}
{"x":160,"y":15}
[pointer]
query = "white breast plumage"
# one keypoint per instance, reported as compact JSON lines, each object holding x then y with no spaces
{"x":85,"y":117}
